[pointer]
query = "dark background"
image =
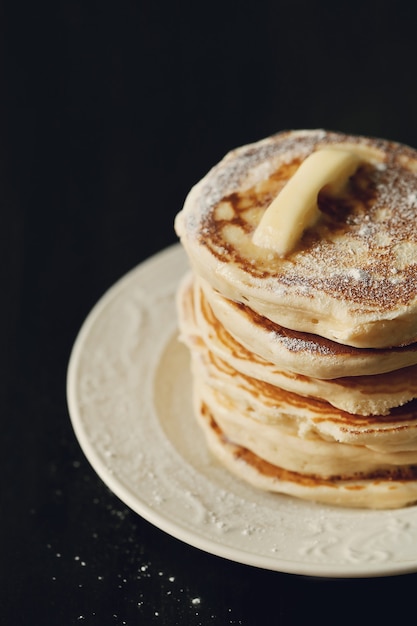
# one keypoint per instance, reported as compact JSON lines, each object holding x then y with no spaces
{"x":110,"y":112}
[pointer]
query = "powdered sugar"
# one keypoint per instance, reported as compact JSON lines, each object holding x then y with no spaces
{"x":296,"y":344}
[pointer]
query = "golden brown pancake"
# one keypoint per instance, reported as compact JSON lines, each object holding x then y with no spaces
{"x":352,"y":278}
{"x":301,"y":353}
{"x":379,"y":491}
{"x":363,"y":395}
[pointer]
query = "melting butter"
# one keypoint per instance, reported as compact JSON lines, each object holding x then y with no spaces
{"x":295,"y":208}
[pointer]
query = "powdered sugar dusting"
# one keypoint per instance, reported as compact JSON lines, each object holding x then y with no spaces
{"x":295,"y":344}
{"x":243,"y":167}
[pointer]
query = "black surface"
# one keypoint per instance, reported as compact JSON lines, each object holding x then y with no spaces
{"x":111,"y":111}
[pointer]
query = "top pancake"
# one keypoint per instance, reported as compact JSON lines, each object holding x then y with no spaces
{"x":352,"y":277}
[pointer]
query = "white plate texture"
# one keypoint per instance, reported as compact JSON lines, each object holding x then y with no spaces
{"x":129,"y":397}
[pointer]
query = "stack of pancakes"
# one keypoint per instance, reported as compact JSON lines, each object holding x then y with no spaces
{"x":305,"y":365}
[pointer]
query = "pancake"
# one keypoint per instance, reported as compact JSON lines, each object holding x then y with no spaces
{"x":302,"y":434}
{"x":363,"y":395}
{"x":374,"y":492}
{"x":304,"y":358}
{"x":301,"y":353}
{"x":352,"y":277}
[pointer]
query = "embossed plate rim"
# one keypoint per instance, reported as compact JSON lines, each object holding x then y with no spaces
{"x":113,"y":375}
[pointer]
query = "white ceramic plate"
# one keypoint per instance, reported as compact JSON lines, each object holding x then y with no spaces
{"x":129,"y":396}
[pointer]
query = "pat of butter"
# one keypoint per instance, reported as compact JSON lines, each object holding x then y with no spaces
{"x":295,"y":208}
